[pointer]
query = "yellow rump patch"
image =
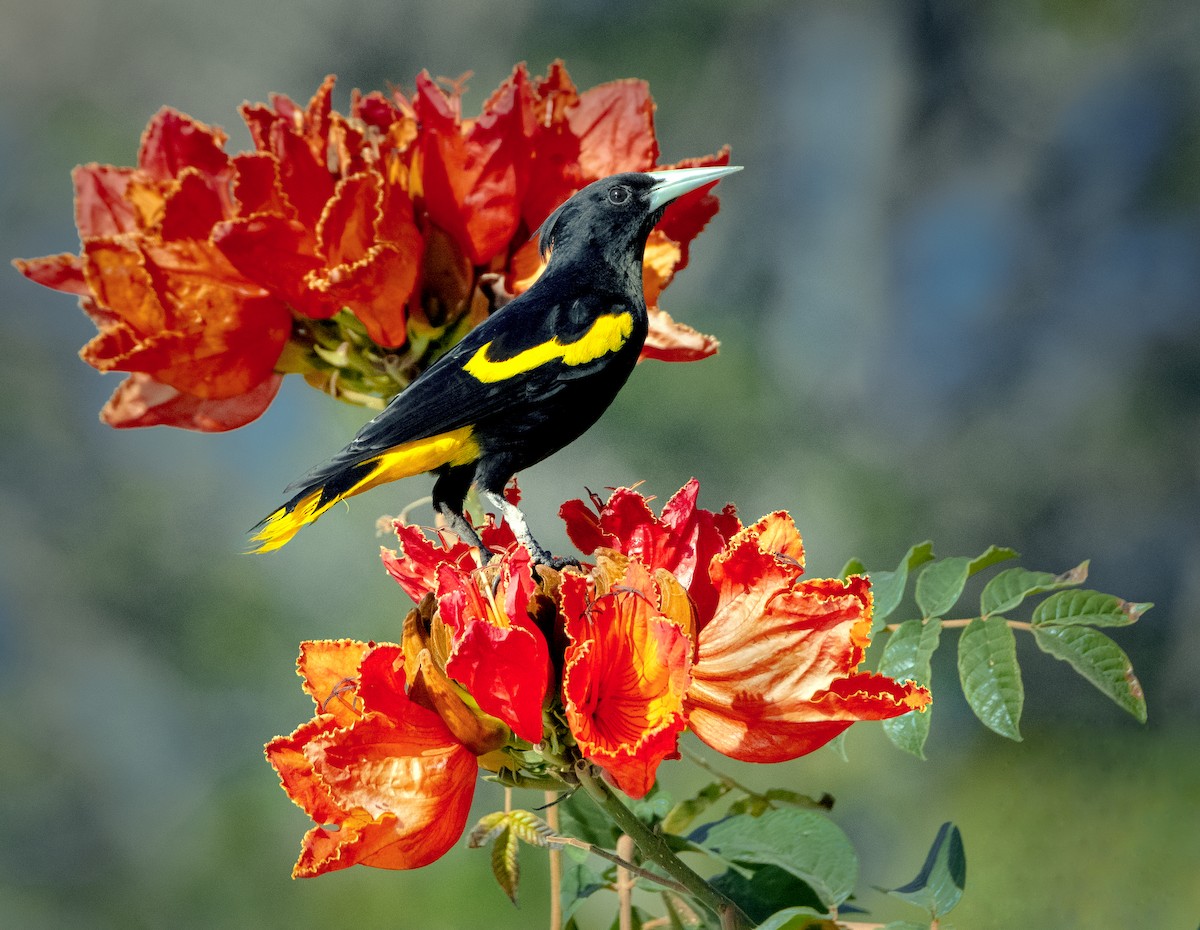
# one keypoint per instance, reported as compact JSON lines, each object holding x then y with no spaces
{"x":607,"y":334}
{"x":457,"y":447}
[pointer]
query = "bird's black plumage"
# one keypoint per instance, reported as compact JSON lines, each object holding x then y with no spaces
{"x":529,"y":380}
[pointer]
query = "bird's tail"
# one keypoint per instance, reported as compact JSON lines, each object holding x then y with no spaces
{"x":326,"y":485}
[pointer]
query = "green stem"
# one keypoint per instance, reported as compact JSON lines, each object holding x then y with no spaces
{"x":966,"y":621}
{"x":654,"y":847}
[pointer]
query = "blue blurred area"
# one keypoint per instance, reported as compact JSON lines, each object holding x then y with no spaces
{"x":958,"y":290}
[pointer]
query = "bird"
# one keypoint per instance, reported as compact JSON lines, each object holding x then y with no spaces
{"x":529,"y":380}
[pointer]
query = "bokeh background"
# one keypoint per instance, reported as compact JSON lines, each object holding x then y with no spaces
{"x":958,"y":287}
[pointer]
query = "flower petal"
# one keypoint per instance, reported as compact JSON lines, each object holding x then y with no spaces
{"x":415,"y":565}
{"x":286,"y":754}
{"x":498,"y":654}
{"x":328,"y":666}
{"x":669,"y":341}
{"x":192,"y":207}
{"x":473,"y":176}
{"x":277,"y":254}
{"x":173,"y":141}
{"x":615,"y":126}
{"x":683,"y":540}
{"x":102,"y":207}
{"x":557,"y":146}
{"x":384,"y":793}
{"x":626,"y":669}
{"x":776,"y":673}
{"x":181,"y":314}
{"x":63,"y":272}
{"x":139,"y":400}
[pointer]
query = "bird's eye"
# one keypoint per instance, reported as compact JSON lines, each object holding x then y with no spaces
{"x":618,"y":195}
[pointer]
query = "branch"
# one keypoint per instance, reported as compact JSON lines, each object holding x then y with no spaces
{"x":617,"y":860}
{"x":966,"y":621}
{"x":654,"y":847}
{"x":555,"y":864}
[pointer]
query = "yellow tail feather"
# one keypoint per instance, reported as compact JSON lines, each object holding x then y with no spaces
{"x":278,"y":529}
{"x":457,"y":447}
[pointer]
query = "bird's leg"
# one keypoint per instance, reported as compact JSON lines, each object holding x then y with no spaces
{"x":449,"y":494}
{"x":516,"y":522}
{"x":461,"y":527}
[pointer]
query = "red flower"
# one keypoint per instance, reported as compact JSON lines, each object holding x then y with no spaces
{"x":683,"y":540}
{"x":385,"y":781}
{"x":326,"y":249}
{"x":324,"y":237}
{"x":492,"y":647}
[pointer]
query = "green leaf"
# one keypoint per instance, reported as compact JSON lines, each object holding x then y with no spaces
{"x":529,"y":828}
{"x":888,"y":587}
{"x":904,"y":925}
{"x":678,"y":911}
{"x":796,"y":799}
{"x":653,"y":806}
{"x":853,"y":567}
{"x":1090,"y":608}
{"x":1013,"y":585}
{"x":767,"y":890}
{"x":1098,"y":659}
{"x":682,"y":814}
{"x":489,"y":827}
{"x":939,"y":885}
{"x":990,"y":675}
{"x":505,"y":866}
{"x":756,"y":804}
{"x":838,"y":746}
{"x":798,"y":918}
{"x":906,"y":657}
{"x":990,"y":557}
{"x":940,"y":584}
{"x":802,"y":843}
{"x":579,"y":882}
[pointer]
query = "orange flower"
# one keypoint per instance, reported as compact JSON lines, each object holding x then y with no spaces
{"x":776,"y":674}
{"x":167,"y":305}
{"x":625,"y":672}
{"x":350,"y":249}
{"x":383,"y":778}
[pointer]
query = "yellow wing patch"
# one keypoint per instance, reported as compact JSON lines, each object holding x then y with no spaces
{"x":457,"y":447}
{"x":607,"y":334}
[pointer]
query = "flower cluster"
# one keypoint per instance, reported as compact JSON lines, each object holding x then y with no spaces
{"x":351,"y":249}
{"x":682,"y":620}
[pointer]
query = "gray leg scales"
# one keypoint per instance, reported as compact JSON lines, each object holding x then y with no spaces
{"x":516,"y":522}
{"x":461,"y":527}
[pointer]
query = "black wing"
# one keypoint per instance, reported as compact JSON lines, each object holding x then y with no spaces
{"x":446,"y":397}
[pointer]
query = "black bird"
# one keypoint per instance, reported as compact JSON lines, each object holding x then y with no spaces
{"x":529,"y":380}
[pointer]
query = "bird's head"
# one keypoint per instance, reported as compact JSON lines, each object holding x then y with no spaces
{"x":608,"y":221}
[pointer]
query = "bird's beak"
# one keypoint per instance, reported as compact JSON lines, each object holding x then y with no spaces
{"x":677,"y":181}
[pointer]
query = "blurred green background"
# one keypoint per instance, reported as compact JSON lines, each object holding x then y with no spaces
{"x":958,"y":287}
